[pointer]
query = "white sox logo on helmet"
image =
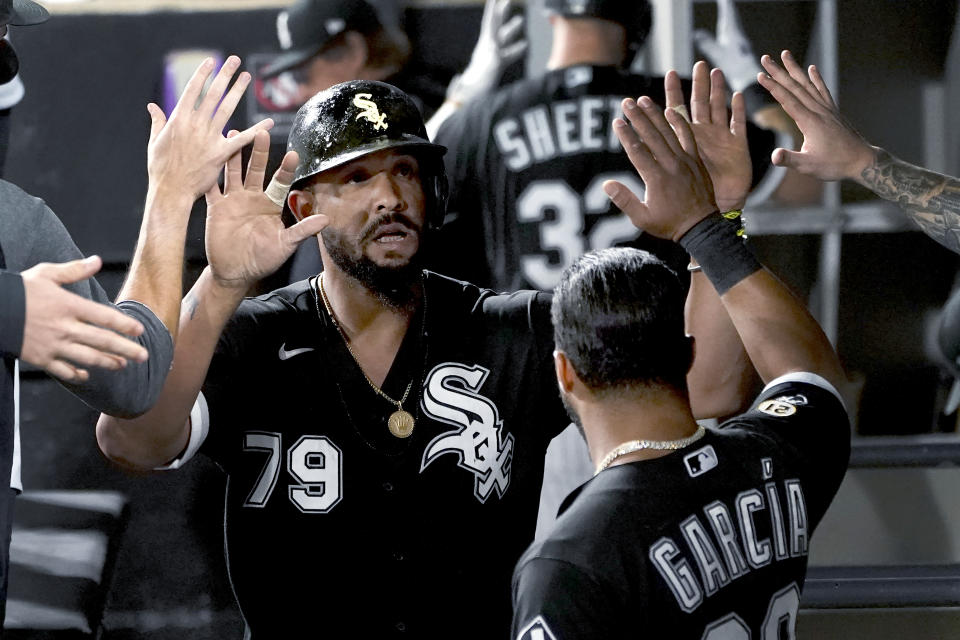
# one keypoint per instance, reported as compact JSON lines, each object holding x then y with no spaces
{"x":451,"y":395}
{"x":370,"y":110}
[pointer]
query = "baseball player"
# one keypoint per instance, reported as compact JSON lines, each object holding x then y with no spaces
{"x":683,"y":531}
{"x":546,"y":145}
{"x":383,"y":427}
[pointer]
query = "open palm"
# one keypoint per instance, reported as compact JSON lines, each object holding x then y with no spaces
{"x":722,"y":143}
{"x":245,"y":237}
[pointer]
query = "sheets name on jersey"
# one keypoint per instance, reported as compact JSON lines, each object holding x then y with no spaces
{"x":566,"y":127}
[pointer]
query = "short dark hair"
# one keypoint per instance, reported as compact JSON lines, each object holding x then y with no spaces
{"x":618,"y":316}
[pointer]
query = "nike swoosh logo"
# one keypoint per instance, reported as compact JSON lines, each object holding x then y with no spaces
{"x":286,"y":355}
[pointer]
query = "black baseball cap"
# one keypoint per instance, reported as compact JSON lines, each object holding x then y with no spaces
{"x":21,"y":13}
{"x":307,"y":26}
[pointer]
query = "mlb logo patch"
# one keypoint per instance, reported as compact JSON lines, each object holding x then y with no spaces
{"x":701,"y":461}
{"x":536,"y":630}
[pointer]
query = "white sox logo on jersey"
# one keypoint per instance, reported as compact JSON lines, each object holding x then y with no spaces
{"x":451,"y":395}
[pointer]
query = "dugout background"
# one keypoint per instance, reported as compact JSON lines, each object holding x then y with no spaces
{"x":78,"y":141}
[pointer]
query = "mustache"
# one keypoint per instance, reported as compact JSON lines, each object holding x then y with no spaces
{"x":388,"y":218}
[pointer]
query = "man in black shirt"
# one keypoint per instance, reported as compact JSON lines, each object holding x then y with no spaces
{"x":383,"y":427}
{"x":527,"y":161}
{"x":684,"y":531}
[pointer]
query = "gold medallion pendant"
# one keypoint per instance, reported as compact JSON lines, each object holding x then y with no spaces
{"x":400,"y":424}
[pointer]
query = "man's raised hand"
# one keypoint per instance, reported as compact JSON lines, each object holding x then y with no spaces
{"x":245,"y":237}
{"x":63,"y":333}
{"x":832,"y":149}
{"x":186,"y":152}
{"x":679,"y":192}
{"x":721,"y":141}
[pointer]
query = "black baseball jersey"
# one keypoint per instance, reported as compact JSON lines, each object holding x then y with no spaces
{"x":334,"y":527}
{"x":526,"y":167}
{"x":708,"y":542}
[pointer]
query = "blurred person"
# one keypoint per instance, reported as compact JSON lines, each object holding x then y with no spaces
{"x":326,"y":42}
{"x":683,"y":531}
{"x":55,"y":316}
{"x":382,"y":427}
{"x":546,"y":143}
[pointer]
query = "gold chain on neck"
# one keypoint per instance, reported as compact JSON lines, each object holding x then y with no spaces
{"x":660,"y":445}
{"x":400,"y":422}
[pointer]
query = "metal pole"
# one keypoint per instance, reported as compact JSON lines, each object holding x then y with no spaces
{"x":828,"y":271}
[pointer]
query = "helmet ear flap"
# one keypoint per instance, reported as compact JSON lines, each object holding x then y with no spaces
{"x":440,"y":192}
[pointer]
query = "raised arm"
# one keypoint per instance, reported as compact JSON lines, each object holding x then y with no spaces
{"x":833,"y":150}
{"x":245,"y":241}
{"x":779,"y":334}
{"x":721,"y":378}
{"x":730,"y":50}
{"x":184,"y":157}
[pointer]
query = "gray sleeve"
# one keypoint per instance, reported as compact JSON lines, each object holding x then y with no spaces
{"x":41,"y":237}
{"x":133,"y":390}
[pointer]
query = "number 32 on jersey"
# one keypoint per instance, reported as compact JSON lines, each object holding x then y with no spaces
{"x":313,"y":461}
{"x":564,"y":234}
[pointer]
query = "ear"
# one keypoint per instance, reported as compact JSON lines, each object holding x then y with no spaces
{"x":566,"y":376}
{"x":357,"y":52}
{"x":301,"y":203}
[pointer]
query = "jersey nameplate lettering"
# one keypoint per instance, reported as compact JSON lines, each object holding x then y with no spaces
{"x":725,"y":544}
{"x":450,"y":395}
{"x":565,"y":128}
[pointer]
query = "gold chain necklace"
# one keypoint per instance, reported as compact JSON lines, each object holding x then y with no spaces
{"x":637,"y":445}
{"x":400,"y":423}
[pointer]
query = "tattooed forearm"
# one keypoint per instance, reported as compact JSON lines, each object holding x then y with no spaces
{"x":931,"y":199}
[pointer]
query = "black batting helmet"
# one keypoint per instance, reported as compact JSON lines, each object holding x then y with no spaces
{"x":636,"y":16}
{"x":352,"y":119}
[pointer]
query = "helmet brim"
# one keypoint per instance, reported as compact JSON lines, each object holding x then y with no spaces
{"x":287,"y":61}
{"x":405,"y":141}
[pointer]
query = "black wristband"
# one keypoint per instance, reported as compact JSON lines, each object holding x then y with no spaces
{"x":725,"y":257}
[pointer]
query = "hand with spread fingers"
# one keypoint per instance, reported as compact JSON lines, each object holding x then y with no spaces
{"x":186,"y":152}
{"x":832,"y":149}
{"x":245,"y":238}
{"x":679,"y":192}
{"x":64,"y":333}
{"x":722,"y":142}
